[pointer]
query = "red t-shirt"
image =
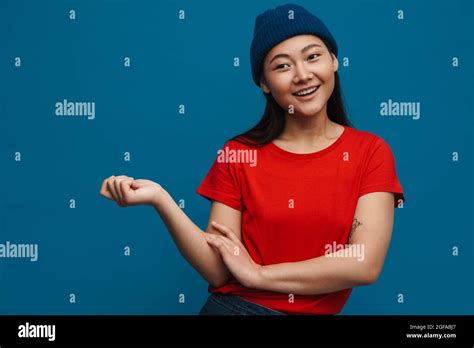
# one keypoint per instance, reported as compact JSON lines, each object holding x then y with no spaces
{"x":293,"y":205}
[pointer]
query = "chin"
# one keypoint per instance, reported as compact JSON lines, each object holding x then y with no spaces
{"x":309,"y":112}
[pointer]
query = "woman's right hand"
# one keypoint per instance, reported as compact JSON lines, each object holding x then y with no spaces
{"x":127,"y":191}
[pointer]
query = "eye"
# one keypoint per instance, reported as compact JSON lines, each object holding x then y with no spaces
{"x":278,"y":66}
{"x":314,"y":54}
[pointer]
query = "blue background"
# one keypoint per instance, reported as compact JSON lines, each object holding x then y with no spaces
{"x":190,"y":62}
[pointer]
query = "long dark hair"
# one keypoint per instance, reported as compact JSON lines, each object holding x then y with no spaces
{"x":272,"y":123}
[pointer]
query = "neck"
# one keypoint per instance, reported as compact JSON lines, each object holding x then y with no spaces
{"x":307,"y":128}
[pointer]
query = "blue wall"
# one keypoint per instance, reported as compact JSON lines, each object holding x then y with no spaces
{"x":47,"y":160}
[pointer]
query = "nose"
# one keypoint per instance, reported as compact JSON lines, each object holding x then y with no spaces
{"x":302,"y":74}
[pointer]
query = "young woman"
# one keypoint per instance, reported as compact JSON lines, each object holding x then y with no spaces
{"x":310,"y":217}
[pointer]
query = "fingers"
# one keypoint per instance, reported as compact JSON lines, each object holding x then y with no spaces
{"x":118,"y":190}
{"x":104,"y":191}
{"x":111,"y":188}
{"x":125,"y":188}
{"x":226,"y":231}
{"x":222,"y":243}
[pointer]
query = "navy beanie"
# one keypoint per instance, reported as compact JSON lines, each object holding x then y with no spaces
{"x":275,"y":25}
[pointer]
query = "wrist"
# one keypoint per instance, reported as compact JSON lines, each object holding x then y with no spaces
{"x":260,"y":278}
{"x":159,"y":197}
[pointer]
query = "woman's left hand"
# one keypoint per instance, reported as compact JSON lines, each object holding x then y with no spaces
{"x":234,"y":255}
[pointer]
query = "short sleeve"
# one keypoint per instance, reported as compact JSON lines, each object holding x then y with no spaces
{"x":379,"y":172}
{"x":222,"y":182}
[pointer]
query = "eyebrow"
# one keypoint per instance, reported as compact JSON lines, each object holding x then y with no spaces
{"x":287,"y":55}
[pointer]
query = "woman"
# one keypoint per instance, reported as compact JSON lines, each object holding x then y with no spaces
{"x":311,"y":215}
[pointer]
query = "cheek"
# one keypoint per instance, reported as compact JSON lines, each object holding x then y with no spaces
{"x":281,"y":91}
{"x":329,"y":85}
{"x":280,"y":83}
{"x":284,"y":99}
{"x":327,"y":76}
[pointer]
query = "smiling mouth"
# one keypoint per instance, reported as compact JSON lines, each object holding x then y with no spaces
{"x":306,"y":94}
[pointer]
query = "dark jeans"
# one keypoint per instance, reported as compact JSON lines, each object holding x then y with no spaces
{"x":219,"y":304}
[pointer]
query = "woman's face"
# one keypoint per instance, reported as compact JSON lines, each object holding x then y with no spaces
{"x":296,"y":64}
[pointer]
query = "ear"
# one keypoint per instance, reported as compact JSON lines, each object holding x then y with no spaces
{"x":263,"y":85}
{"x":335,"y":62}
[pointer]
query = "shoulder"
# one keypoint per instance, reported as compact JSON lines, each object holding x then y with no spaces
{"x":238,"y":145}
{"x":371,"y":146}
{"x":367,"y":139}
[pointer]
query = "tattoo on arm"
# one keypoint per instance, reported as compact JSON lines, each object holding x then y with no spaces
{"x":355,"y":223}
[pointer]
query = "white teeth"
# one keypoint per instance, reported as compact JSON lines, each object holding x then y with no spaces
{"x":306,"y":91}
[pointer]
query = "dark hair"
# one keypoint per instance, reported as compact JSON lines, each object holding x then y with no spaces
{"x":272,"y":123}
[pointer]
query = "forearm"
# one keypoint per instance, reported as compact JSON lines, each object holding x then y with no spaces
{"x":315,"y":276}
{"x":190,"y":241}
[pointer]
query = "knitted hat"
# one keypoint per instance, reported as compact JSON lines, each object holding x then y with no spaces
{"x":278,"y":24}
